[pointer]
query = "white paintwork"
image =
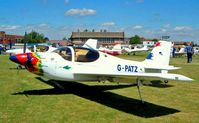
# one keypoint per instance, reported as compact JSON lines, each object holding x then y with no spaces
{"x":91,"y":43}
{"x":116,"y":50}
{"x":107,"y":67}
{"x":136,"y":49}
{"x":18,"y":51}
{"x":196,"y":50}
{"x":149,"y":43}
{"x":181,"y":52}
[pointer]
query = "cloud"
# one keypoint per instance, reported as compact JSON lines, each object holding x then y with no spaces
{"x":80,"y":12}
{"x":163,"y":30}
{"x":108,"y":24}
{"x":8,"y":27}
{"x":43,"y":25}
{"x":182,"y":28}
{"x":138,"y":27}
{"x":66,"y":1}
{"x":166,"y":25}
{"x":177,"y":33}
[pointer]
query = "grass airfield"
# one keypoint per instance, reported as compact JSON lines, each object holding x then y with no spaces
{"x":24,"y":97}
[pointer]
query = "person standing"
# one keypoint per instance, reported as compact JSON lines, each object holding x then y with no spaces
{"x":1,"y":49}
{"x":173,"y":52}
{"x":189,"y":50}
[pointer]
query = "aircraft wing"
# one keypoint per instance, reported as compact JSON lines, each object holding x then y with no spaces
{"x":179,"y":54}
{"x":16,"y":51}
{"x":129,"y":74}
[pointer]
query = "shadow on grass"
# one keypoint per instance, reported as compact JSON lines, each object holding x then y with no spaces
{"x":99,"y":95}
{"x":158,"y":84}
{"x":17,"y":68}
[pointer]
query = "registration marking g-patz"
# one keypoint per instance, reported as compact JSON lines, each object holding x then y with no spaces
{"x":127,"y":68}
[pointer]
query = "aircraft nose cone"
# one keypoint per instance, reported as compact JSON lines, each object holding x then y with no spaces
{"x":14,"y":59}
{"x":19,"y":58}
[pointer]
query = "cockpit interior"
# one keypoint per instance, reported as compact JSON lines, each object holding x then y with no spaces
{"x":78,"y":54}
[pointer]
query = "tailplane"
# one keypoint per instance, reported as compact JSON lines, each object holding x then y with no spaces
{"x":117,"y":47}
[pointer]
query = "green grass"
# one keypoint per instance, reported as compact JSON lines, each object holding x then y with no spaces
{"x":24,"y":98}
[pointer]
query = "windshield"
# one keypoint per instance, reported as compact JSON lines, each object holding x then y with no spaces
{"x":80,"y":54}
{"x":85,"y":55}
{"x":65,"y":53}
{"x":39,"y":48}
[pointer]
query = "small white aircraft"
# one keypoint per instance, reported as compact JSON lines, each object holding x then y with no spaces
{"x":38,"y":48}
{"x":196,"y":50}
{"x":116,"y":50}
{"x":136,"y":49}
{"x":180,"y":53}
{"x":87,"y":64}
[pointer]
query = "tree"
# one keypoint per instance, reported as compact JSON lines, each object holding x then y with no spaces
{"x":34,"y":37}
{"x":155,"y":40}
{"x":135,"y":40}
{"x":86,"y":30}
{"x":46,"y":39}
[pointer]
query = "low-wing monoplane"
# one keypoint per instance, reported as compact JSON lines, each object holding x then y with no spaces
{"x":116,"y":50}
{"x":34,"y":48}
{"x":87,"y":64}
{"x":180,"y":53}
{"x":135,"y":49}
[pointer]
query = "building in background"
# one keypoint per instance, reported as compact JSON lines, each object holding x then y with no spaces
{"x":148,"y":42}
{"x":6,"y":39}
{"x":59,"y":42}
{"x":179,"y":43}
{"x":103,"y":37}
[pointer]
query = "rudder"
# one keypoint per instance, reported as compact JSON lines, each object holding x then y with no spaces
{"x":160,"y":55}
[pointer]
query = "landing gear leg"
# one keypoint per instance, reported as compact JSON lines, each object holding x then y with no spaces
{"x":165,"y":82}
{"x":57,"y":85}
{"x":138,"y":87}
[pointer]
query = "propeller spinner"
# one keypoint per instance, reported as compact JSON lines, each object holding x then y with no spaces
{"x":31,"y":61}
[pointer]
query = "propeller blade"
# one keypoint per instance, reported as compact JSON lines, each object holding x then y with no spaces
{"x":24,"y":47}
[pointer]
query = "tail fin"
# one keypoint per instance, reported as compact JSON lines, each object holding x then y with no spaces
{"x":91,"y":43}
{"x":145,"y":48}
{"x":160,"y":55}
{"x":182,"y":50}
{"x":117,"y":47}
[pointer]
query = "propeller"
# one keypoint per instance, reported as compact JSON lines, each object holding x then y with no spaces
{"x":25,"y":59}
{"x":24,"y":46}
{"x":19,"y":66}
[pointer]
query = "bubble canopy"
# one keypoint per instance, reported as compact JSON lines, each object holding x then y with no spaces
{"x":78,"y":54}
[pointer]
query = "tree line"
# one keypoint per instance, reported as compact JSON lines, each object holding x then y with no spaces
{"x":137,"y":40}
{"x":35,"y":37}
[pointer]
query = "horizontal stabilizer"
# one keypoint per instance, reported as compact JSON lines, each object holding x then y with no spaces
{"x":176,"y":77}
{"x":162,"y":68}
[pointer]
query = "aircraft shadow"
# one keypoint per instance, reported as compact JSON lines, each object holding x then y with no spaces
{"x":158,"y":84}
{"x":100,"y":95}
{"x":17,"y":69}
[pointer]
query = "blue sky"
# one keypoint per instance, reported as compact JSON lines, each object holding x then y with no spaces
{"x":58,"y":18}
